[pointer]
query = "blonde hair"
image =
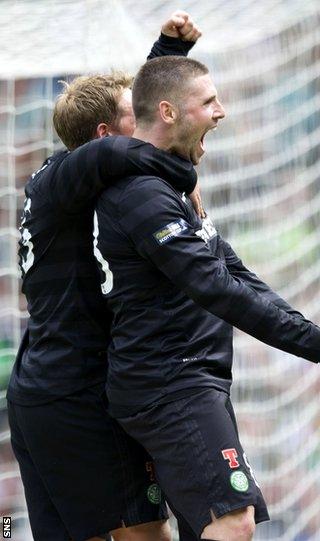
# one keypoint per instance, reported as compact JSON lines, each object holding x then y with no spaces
{"x":86,"y":102}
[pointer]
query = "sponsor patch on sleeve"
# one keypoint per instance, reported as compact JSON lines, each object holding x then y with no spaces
{"x":170,"y":231}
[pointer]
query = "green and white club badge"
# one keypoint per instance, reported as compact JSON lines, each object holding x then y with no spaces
{"x":239,"y":481}
{"x":154,"y":494}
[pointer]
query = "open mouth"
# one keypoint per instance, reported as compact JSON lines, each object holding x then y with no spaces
{"x":202,"y":142}
{"x":203,"y":136}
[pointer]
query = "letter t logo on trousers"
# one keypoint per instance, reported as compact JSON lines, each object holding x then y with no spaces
{"x":231,"y":455}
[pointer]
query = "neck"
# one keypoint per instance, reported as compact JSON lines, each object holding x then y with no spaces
{"x":154,"y":135}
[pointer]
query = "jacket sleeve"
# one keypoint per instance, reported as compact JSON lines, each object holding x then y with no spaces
{"x":162,"y":234}
{"x":237,"y":269}
{"x":87,"y":171}
{"x":167,"y":45}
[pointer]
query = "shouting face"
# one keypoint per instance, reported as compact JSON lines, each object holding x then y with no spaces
{"x":199,"y":112}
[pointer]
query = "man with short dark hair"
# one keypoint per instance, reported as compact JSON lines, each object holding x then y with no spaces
{"x":83,"y":476}
{"x":176,"y":288}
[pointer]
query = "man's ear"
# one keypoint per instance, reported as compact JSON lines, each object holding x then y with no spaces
{"x":102,"y":130}
{"x":167,"y":112}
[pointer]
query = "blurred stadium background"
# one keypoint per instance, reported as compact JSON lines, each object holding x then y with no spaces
{"x":260,"y":181}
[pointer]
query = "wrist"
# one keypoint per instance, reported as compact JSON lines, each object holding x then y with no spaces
{"x":169,"y":40}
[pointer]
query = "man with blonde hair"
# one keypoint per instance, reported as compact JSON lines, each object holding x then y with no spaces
{"x":88,"y":100}
{"x":83,"y":476}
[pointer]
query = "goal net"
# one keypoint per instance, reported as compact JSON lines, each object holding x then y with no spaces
{"x":260,"y":181}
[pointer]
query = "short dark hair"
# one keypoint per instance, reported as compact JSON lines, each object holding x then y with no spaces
{"x":164,"y":78}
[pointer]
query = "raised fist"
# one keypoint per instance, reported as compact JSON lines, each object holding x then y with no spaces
{"x":180,"y":25}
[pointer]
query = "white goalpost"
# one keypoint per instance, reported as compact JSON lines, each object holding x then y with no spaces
{"x":260,"y":181}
